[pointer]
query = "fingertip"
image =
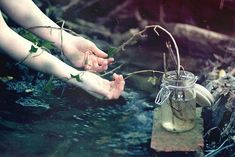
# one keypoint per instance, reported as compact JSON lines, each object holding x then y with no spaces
{"x":109,"y":97}
{"x":121,"y":76}
{"x":115,"y":75}
{"x":110,"y":60}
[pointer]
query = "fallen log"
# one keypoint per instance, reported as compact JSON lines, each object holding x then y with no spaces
{"x":201,"y":42}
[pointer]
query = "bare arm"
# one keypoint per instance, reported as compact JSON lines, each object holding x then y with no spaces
{"x":28,"y":15}
{"x":45,"y":62}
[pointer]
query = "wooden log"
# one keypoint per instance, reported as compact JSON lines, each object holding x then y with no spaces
{"x":201,"y":42}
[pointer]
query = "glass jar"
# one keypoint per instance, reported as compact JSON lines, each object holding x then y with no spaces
{"x":177,"y":99}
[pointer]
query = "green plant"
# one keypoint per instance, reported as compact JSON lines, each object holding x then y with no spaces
{"x":49,"y":86}
{"x":77,"y":77}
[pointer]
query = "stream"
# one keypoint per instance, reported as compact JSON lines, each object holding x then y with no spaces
{"x":69,"y":123}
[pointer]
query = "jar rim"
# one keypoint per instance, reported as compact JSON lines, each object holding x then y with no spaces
{"x":186,"y":77}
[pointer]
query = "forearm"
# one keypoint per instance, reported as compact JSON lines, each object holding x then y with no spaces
{"x":28,"y":15}
{"x":41,"y":60}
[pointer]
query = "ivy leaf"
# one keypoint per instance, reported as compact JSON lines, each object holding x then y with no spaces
{"x":28,"y":35}
{"x":33,"y":49}
{"x":47,"y":44}
{"x":112,"y":51}
{"x":77,"y":77}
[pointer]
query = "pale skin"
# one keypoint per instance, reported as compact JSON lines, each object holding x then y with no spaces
{"x":76,"y":49}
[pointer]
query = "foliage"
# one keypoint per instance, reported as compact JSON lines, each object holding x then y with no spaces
{"x":34,"y":39}
{"x":49,"y":86}
{"x":77,"y":77}
{"x":33,"y":49}
{"x":112,"y":51}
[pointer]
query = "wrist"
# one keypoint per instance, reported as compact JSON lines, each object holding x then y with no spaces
{"x":61,"y":39}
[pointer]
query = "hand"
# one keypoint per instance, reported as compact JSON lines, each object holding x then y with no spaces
{"x":102,"y":88}
{"x":84,"y":53}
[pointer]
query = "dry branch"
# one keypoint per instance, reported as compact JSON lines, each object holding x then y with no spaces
{"x":115,"y":11}
{"x":70,"y":5}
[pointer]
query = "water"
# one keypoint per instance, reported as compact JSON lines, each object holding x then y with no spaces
{"x":74,"y":125}
{"x":178,"y":115}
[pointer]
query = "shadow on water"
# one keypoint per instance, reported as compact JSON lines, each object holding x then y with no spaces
{"x":75,"y":124}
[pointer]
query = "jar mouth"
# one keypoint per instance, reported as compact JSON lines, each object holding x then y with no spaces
{"x":185,"y":78}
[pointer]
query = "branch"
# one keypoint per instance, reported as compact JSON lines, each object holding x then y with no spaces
{"x":142,"y":71}
{"x":140,"y":33}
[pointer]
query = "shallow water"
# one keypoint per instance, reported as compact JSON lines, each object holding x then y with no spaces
{"x":72,"y":126}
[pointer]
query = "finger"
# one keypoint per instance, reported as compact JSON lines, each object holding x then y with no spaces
{"x":118,"y":78}
{"x":115,"y":76}
{"x":102,"y":61}
{"x":110,"y":60}
{"x":102,"y":68}
{"x":95,"y":65}
{"x":119,"y":87}
{"x":98,"y":52}
{"x":120,"y":83}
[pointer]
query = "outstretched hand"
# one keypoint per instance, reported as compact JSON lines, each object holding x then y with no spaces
{"x":102,"y":88}
{"x":84,"y":53}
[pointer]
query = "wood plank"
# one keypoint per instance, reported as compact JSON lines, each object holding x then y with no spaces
{"x":185,"y":143}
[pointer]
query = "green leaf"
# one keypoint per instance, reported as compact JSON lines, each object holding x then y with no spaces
{"x":112,"y":51}
{"x":33,"y":49}
{"x":77,"y":77}
{"x":49,"y":86}
{"x":47,"y":44}
{"x":28,"y":35}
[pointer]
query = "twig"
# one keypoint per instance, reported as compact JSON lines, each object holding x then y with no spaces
{"x":50,"y":27}
{"x":229,"y":126}
{"x":70,"y":4}
{"x":168,"y":45}
{"x":164,"y":62}
{"x":119,"y":8}
{"x":211,"y":129}
{"x":140,"y":33}
{"x":219,"y":149}
{"x":89,"y":4}
{"x":110,"y":72}
{"x":36,"y":55}
{"x":61,"y":38}
{"x":176,"y":47}
{"x":141,"y":71}
{"x":23,"y":60}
